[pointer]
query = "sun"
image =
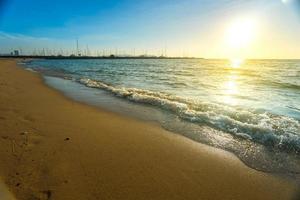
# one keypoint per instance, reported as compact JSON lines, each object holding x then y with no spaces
{"x":241,"y":33}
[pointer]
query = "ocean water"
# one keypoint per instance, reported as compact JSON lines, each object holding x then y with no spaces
{"x":250,"y":108}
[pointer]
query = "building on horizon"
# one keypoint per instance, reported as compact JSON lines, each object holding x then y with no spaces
{"x":16,"y":53}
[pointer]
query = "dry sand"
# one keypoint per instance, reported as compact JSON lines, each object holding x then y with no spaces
{"x":55,"y":148}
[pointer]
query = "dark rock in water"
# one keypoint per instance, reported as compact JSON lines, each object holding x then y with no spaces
{"x":67,"y":139}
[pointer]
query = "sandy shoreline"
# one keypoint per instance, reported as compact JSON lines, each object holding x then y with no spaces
{"x":54,"y":148}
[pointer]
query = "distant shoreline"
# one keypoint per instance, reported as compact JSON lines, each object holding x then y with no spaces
{"x":126,"y":57}
{"x":94,"y":57}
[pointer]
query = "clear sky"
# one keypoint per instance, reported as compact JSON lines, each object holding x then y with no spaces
{"x":201,"y":28}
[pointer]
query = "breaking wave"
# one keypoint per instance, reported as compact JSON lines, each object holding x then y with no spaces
{"x":280,"y":132}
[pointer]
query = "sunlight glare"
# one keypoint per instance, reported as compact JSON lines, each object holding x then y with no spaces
{"x":230,"y":89}
{"x":236,"y":62}
{"x":285,"y":1}
{"x":241,"y":33}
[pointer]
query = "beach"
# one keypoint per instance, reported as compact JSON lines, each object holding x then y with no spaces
{"x":54,"y":148}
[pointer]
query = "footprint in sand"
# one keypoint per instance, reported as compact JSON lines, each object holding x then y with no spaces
{"x":28,"y":118}
{"x":24,"y":142}
{"x":2,"y":118}
{"x":43,"y":195}
{"x":30,"y":139}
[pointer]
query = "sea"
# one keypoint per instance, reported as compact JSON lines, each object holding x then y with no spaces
{"x":250,"y":108}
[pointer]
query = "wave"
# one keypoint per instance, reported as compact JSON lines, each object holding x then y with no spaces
{"x":265,"y":128}
{"x":280,"y":84}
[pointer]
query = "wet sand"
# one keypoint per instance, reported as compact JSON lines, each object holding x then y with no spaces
{"x":54,"y":148}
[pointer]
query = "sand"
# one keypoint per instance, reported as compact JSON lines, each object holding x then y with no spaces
{"x":54,"y":148}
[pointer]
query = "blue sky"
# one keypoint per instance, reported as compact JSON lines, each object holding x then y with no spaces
{"x":183,"y":27}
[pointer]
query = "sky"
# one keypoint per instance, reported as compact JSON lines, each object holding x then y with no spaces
{"x":199,"y":28}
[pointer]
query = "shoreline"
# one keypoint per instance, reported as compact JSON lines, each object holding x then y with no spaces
{"x":169,"y":115}
{"x":50,"y":145}
{"x":139,"y":116}
{"x":93,"y":57}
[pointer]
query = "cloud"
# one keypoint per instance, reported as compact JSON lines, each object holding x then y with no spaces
{"x":10,"y":41}
{"x":15,"y":36}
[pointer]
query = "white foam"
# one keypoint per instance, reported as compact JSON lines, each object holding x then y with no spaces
{"x":264,"y":128}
